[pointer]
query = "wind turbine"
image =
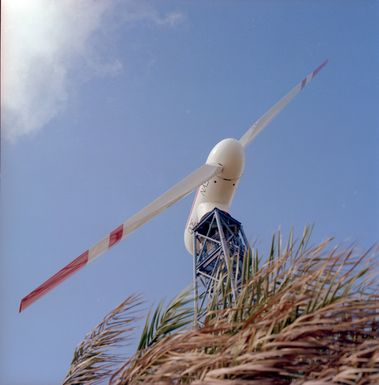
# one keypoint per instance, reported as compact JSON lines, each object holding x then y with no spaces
{"x":216,"y":181}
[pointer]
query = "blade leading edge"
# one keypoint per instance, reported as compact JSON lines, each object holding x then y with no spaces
{"x":264,"y":120}
{"x":177,"y":192}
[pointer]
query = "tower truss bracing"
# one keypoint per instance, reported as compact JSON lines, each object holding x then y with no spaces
{"x":219,"y":247}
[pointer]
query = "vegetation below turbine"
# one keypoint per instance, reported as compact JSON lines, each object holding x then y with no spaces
{"x":307,"y":315}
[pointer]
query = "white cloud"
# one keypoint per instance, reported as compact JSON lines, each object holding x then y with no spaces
{"x":143,"y":11}
{"x":41,"y":41}
{"x":44,"y":42}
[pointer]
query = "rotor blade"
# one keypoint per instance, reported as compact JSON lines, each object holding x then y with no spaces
{"x":264,"y":120}
{"x":181,"y":189}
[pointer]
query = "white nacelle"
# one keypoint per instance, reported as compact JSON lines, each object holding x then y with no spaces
{"x":218,"y":191}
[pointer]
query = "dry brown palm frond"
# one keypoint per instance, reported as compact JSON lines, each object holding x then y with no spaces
{"x":310,"y":316}
{"x":95,"y":358}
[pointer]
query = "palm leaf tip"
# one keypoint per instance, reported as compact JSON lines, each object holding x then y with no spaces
{"x":97,"y":356}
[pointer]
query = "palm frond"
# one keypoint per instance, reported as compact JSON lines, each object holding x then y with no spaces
{"x":96,"y":357}
{"x":309,"y":315}
{"x":303,"y":315}
{"x":178,"y":314}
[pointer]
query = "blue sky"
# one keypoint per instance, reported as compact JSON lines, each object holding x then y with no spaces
{"x":107,"y":104}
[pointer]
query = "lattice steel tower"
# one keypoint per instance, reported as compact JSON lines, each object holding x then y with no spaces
{"x":219,"y":247}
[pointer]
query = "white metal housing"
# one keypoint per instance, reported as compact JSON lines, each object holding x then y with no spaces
{"x":219,"y":190}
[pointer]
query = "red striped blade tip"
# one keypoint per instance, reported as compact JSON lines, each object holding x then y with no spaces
{"x":55,"y":280}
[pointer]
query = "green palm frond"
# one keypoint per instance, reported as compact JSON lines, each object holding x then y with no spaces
{"x":178,"y":314}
